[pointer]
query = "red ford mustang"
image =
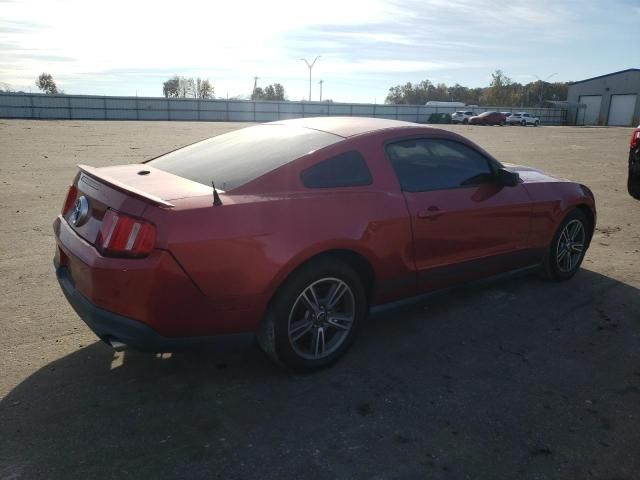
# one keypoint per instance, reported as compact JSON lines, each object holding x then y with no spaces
{"x":311,"y":223}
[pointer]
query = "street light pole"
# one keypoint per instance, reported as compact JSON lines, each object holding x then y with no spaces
{"x":310,"y":65}
{"x":321,"y":82}
{"x":542,"y":82}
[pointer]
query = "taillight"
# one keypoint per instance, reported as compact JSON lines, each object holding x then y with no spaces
{"x":121,"y":235}
{"x":70,"y":200}
{"x":635,"y":138}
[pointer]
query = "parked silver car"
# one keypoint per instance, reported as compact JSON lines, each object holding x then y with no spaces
{"x":462,"y":116}
{"x":524,"y":119}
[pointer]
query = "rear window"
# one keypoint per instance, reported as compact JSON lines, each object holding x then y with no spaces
{"x":345,"y":170}
{"x":235,"y":158}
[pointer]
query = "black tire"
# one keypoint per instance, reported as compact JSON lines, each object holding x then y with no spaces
{"x":536,"y":123}
{"x":555,"y":266}
{"x":274,"y":336}
{"x":633,"y":182}
{"x":465,"y":121}
{"x":523,"y":123}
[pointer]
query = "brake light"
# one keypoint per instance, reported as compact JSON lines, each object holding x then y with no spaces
{"x":70,"y":200}
{"x":635,"y":138}
{"x":122,"y":235}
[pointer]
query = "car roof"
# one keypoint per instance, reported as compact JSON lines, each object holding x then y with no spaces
{"x":346,"y":126}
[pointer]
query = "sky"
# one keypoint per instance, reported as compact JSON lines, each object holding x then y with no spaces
{"x":130,"y":47}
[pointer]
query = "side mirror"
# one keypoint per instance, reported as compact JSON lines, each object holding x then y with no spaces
{"x":505,"y":178}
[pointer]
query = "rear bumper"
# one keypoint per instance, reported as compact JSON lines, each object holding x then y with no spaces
{"x":155,"y":293}
{"x":111,"y":327}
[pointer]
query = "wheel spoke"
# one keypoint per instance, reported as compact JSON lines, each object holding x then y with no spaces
{"x":568,"y":262}
{"x":561,"y":255}
{"x":311,"y":303}
{"x":338,"y":289}
{"x":318,"y":342}
{"x":340,"y":320}
{"x":577,"y":229}
{"x":578,"y":247}
{"x":298,"y":330}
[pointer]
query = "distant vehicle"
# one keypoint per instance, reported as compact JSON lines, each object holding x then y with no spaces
{"x":433,"y":103}
{"x":488,"y":118}
{"x":316,"y":221}
{"x":524,"y":119}
{"x":462,"y":116}
{"x":633,"y":183}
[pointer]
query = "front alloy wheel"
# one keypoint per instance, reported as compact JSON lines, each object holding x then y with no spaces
{"x":568,"y":247}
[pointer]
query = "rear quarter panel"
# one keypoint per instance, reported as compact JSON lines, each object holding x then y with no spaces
{"x":246,"y":248}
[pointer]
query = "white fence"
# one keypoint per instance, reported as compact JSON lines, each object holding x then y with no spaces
{"x":90,"y":107}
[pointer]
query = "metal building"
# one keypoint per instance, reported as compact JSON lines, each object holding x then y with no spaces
{"x":612,"y":99}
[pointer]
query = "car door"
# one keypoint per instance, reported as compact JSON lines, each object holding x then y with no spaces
{"x":465,"y":225}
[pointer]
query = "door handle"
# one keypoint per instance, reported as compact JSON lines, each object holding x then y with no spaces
{"x":430,"y":213}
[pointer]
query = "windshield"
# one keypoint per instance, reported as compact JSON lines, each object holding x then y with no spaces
{"x":235,"y":158}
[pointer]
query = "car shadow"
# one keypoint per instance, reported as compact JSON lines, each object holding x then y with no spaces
{"x":516,"y":378}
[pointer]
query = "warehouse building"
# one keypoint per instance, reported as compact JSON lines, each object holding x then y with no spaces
{"x":611,"y":99}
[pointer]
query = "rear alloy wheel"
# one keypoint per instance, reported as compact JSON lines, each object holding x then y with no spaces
{"x":536,"y":123}
{"x":523,"y":123}
{"x":314,"y":317}
{"x":568,"y":247}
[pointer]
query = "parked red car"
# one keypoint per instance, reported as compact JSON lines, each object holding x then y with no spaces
{"x":312,"y":223}
{"x":489,"y":118}
{"x":633,"y":183}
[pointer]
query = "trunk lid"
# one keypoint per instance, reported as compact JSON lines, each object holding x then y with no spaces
{"x":129,"y":189}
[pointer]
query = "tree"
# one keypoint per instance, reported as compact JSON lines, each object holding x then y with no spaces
{"x":182,"y":87}
{"x":186,"y":87}
{"x":46,"y":84}
{"x":5,"y":87}
{"x":502,"y":92}
{"x":204,"y":89}
{"x":270,"y":92}
{"x":171,"y":87}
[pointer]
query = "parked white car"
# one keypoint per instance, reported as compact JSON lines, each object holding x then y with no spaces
{"x":462,"y":116}
{"x":524,"y":119}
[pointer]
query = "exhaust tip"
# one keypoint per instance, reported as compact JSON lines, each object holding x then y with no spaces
{"x":117,"y":345}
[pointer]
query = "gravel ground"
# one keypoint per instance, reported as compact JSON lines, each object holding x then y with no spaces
{"x":514,"y":379}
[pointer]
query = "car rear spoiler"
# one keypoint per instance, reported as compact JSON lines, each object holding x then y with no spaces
{"x":112,"y":182}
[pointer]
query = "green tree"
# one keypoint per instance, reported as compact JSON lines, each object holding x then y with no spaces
{"x":500,"y":91}
{"x":270,"y":92}
{"x":171,"y":88}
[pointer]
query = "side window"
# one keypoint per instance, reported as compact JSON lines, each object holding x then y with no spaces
{"x":345,"y":170}
{"x":437,"y":164}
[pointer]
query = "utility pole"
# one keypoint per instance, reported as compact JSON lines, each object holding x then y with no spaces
{"x":542,"y":82}
{"x":321,"y":82}
{"x":255,"y":85}
{"x":310,"y":65}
